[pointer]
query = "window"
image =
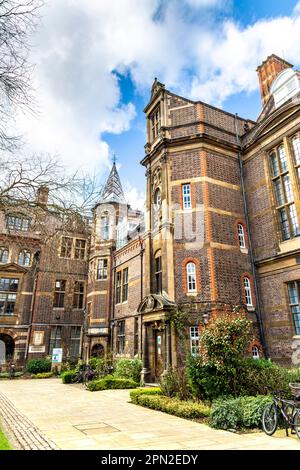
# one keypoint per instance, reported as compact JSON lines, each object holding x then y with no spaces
{"x":296,"y":149}
{"x":3,"y":255}
{"x":66,"y":247}
{"x":284,"y":193}
{"x":248,"y":293}
{"x":255,"y":352}
{"x":55,"y":338}
{"x":293,"y":290}
{"x":105,"y":227}
{"x":157,"y":199}
{"x":24,"y":258}
{"x":186,"y":196}
{"x":15,"y":222}
{"x":102,"y":269}
{"x":136,"y":336}
{"x":78,"y":296}
{"x":120,"y":336}
{"x":241,"y":236}
{"x":194,"y":340}
{"x":75,"y":341}
{"x":191,"y":277}
{"x":8,"y":296}
{"x":125,"y":285}
{"x":118,"y":287}
{"x":158,"y":275}
{"x":155,"y":122}
{"x":59,"y":294}
{"x":79,"y":249}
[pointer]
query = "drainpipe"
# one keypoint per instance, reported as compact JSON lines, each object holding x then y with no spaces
{"x":257,"y":296}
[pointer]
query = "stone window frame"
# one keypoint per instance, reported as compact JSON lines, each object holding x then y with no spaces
{"x":59,"y":294}
{"x":155,"y":122}
{"x":55,"y":338}
{"x":105,"y":226}
{"x":79,"y":295}
{"x":294,"y":305}
{"x":120,"y":336}
{"x":189,"y":184}
{"x":102,"y":270}
{"x":26,"y":255}
{"x":4,"y":249}
{"x":23,"y":224}
{"x":237,"y":234}
{"x":283,"y":190}
{"x":12,"y":293}
{"x":158,"y":272}
{"x":74,"y":343}
{"x":68,"y":247}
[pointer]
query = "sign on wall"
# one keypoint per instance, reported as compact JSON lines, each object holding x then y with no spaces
{"x":36,"y":349}
{"x":57,"y":355}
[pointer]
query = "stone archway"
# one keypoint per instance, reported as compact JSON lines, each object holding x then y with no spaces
{"x":7,"y":347}
{"x":97,"y":350}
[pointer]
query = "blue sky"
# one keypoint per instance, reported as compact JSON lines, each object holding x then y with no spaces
{"x":96,"y":61}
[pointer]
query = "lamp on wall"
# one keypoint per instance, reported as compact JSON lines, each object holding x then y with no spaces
{"x":205,"y":318}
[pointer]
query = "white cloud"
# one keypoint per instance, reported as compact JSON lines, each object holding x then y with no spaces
{"x":82,"y":42}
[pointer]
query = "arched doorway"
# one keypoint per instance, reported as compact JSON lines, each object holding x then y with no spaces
{"x":7,"y":346}
{"x":97,"y":350}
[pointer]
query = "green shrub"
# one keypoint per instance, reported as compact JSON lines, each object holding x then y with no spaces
{"x":68,"y":376}
{"x":42,"y":375}
{"x":235,"y":413}
{"x":36,"y":366}
{"x":111,"y":382}
{"x":183,"y":409}
{"x":4,"y":375}
{"x":206,"y":381}
{"x":174,"y":383}
{"x":129,"y":369}
{"x":144,"y":391}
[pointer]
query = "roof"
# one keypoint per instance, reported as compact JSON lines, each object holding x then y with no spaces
{"x":113,"y":191}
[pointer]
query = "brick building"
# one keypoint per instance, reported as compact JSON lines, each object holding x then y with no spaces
{"x":43,"y":279}
{"x":220,"y":228}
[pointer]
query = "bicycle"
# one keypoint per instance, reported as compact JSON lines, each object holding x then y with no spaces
{"x":283,"y":408}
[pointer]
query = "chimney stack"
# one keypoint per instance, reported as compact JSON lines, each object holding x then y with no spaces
{"x":267,"y":72}
{"x":42,"y":195}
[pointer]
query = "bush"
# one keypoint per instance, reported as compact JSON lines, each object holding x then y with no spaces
{"x":42,"y":375}
{"x":144,"y":391}
{"x":36,"y":366}
{"x":206,"y":381}
{"x":235,"y":413}
{"x":68,"y":376}
{"x":174,"y":383}
{"x":129,"y":369}
{"x":174,"y":406}
{"x":111,"y":382}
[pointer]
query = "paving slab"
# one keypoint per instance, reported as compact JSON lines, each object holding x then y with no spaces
{"x":47,"y":414}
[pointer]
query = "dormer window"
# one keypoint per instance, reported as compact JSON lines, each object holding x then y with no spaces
{"x":16,"y":222}
{"x":155,"y":122}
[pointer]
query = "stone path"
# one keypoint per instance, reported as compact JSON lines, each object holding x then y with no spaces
{"x":45,"y":413}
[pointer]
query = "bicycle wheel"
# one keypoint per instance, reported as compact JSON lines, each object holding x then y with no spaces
{"x":296,"y":423}
{"x":270,"y":419}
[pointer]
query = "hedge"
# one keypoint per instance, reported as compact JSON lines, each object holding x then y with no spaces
{"x":111,"y":382}
{"x":144,"y":391}
{"x":238,"y":413}
{"x":68,"y":376}
{"x":174,"y":406}
{"x":36,"y":366}
{"x":42,"y":375}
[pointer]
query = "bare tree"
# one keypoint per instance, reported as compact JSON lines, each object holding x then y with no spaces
{"x":18,"y":20}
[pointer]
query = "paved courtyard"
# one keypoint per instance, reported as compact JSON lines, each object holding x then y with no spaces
{"x":53,"y":415}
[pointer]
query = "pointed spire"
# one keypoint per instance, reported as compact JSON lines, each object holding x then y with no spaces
{"x":113,"y":191}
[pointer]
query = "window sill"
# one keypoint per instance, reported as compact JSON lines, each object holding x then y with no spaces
{"x":192,"y":294}
{"x":296,"y":337}
{"x":244,"y":250}
{"x":250,"y":308}
{"x":58,"y":308}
